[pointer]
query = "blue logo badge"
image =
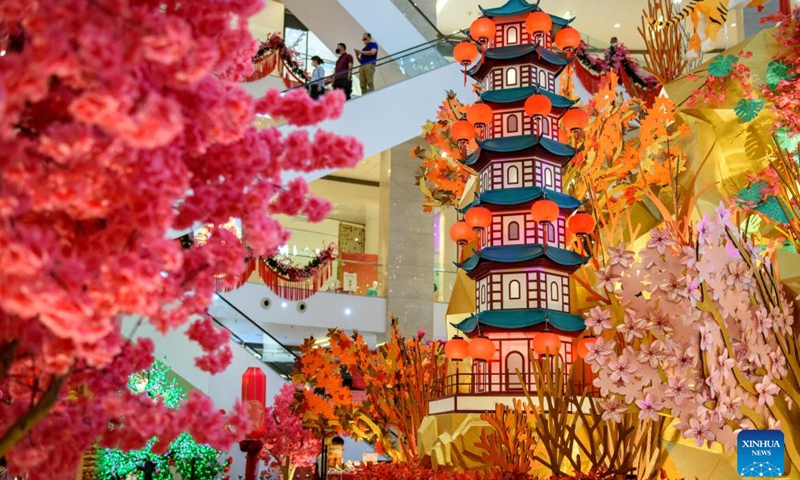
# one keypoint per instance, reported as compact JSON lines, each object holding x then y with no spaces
{"x":760,"y":453}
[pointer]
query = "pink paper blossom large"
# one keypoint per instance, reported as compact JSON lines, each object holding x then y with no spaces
{"x":120,"y":120}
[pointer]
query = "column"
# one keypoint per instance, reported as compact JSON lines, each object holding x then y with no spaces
{"x":406,"y":243}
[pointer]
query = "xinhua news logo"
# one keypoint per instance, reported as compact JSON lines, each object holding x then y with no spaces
{"x":760,"y":453}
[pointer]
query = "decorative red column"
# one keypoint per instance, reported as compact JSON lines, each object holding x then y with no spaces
{"x":254,"y":397}
{"x":786,"y":7}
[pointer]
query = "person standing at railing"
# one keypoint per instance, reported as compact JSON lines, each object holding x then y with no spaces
{"x":367,"y":57}
{"x":342,"y":74}
{"x":316,"y":86}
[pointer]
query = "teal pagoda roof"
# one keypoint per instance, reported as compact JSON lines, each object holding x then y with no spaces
{"x":522,"y":195}
{"x":501,"y":56}
{"x":518,"y":143}
{"x":517,"y":7}
{"x":513,"y":95}
{"x":522,"y":253}
{"x":521,"y":318}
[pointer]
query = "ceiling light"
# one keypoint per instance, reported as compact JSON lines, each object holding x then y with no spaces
{"x":567,"y":14}
{"x":733,"y":24}
{"x":347,"y":311}
{"x":617,"y":25}
{"x":283,"y":304}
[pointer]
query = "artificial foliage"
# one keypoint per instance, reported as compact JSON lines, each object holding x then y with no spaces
{"x":441,"y":177}
{"x":287,"y":443}
{"x":121,"y":122}
{"x":696,"y":326}
{"x":400,"y":378}
{"x":192,"y":460}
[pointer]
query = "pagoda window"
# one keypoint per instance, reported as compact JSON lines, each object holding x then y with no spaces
{"x":514,"y":290}
{"x":483,"y":294}
{"x":511,"y":36}
{"x":512,"y":122}
{"x":511,"y":77}
{"x":549,"y":181}
{"x":542,"y":79}
{"x":512,"y":175}
{"x":513,"y":231}
{"x":514,"y":361}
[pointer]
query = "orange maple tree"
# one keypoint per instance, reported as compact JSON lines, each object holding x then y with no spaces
{"x":628,"y":152}
{"x":399,"y":378}
{"x":441,"y":177}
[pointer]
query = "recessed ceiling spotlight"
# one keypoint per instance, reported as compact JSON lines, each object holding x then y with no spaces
{"x":617,"y":25}
{"x":733,"y":24}
{"x":567,"y":14}
{"x":347,"y":311}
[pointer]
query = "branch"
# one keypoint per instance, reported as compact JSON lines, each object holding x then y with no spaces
{"x":7,"y":358}
{"x":26,"y":422}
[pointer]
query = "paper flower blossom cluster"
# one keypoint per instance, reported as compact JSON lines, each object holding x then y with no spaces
{"x":701,"y":332}
{"x":119,"y":122}
{"x":287,"y":444}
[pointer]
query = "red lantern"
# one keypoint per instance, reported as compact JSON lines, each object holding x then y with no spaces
{"x":254,"y":395}
{"x":575,"y":119}
{"x":544,"y":211}
{"x":461,"y":233}
{"x":568,"y":39}
{"x":481,"y":349}
{"x":538,"y":23}
{"x":480,"y":114}
{"x":547,"y":343}
{"x":538,"y":106}
{"x":456,"y":349}
{"x":478,"y":218}
{"x":465,"y":53}
{"x":581,"y":223}
{"x":462,"y":131}
{"x":582,"y":348}
{"x":254,"y":386}
{"x":482,"y":30}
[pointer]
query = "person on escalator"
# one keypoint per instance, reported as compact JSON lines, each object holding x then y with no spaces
{"x":342,"y":72}
{"x":367,"y":57}
{"x":316,"y":85}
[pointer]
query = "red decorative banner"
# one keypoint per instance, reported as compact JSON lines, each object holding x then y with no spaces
{"x":293,"y":282}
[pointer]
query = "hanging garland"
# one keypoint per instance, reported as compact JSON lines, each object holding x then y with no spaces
{"x":275,"y":53}
{"x":294,"y":282}
{"x":616,"y":58}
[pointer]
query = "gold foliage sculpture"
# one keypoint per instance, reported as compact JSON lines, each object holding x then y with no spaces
{"x":510,"y":446}
{"x":665,"y":57}
{"x":564,"y":420}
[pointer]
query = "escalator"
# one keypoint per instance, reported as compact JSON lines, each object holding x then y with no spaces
{"x":252,"y":337}
{"x":409,"y":88}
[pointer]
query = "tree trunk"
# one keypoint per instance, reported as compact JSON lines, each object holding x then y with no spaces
{"x":26,"y":422}
{"x":149,"y":468}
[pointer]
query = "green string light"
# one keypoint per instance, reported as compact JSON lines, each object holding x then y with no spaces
{"x":191,"y":460}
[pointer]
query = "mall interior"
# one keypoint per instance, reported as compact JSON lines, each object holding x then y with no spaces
{"x":395,"y":255}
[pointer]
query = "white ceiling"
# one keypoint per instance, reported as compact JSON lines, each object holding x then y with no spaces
{"x":596,"y":19}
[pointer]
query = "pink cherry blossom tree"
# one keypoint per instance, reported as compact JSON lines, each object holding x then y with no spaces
{"x":287,"y":445}
{"x":120,"y":120}
{"x":698,"y":330}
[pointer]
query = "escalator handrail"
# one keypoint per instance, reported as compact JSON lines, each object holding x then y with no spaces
{"x":256,"y":325}
{"x":392,"y":58}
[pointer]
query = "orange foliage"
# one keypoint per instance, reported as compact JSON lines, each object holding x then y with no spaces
{"x":441,"y":177}
{"x":399,"y":378}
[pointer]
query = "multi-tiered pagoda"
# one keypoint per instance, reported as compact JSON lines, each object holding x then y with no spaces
{"x":522,"y":266}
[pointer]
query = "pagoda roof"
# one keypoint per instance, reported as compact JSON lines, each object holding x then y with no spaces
{"x":522,"y":195}
{"x":521,"y":318}
{"x":522,"y":253}
{"x":519,"y":143}
{"x":518,"y":7}
{"x":514,"y":95}
{"x":501,"y":55}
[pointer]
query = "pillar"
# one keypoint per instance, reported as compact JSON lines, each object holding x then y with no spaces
{"x":406,"y":243}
